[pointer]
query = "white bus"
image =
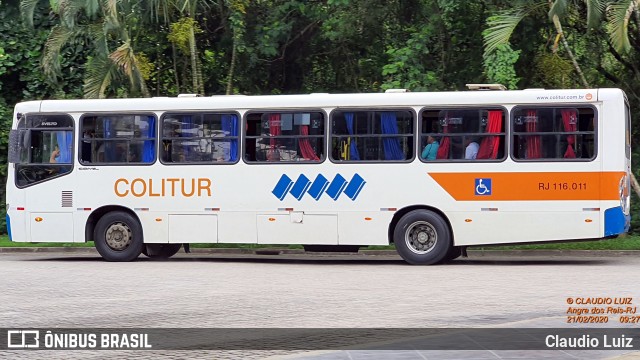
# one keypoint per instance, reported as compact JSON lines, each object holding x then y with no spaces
{"x":432,"y":173}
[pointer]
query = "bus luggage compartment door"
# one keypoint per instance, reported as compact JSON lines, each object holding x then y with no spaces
{"x":297,"y":228}
{"x":51,"y":227}
{"x":189,"y":228}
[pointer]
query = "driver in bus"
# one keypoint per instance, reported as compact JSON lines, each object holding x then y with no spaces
{"x":54,"y":154}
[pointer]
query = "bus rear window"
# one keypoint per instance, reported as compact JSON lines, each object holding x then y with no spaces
{"x":553,"y":133}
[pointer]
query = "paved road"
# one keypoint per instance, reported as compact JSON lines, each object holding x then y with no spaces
{"x":197,"y":290}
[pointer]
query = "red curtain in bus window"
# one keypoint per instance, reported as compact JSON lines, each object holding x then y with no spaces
{"x":491,"y":144}
{"x":533,"y":141}
{"x":274,"y":130}
{"x":305,"y":145}
{"x":570,"y":122}
{"x":445,"y":144}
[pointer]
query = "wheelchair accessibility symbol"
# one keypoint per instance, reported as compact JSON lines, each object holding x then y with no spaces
{"x":483,"y":187}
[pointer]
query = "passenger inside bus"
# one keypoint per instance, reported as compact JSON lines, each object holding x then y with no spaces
{"x":170,"y":132}
{"x":471,"y":148}
{"x":431,"y":149}
{"x":86,"y":146}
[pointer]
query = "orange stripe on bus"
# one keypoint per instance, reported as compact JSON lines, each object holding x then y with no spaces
{"x":533,"y":185}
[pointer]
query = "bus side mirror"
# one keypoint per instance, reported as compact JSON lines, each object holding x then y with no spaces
{"x":19,"y":142}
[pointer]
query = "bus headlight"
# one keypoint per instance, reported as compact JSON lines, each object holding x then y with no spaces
{"x":623,"y":189}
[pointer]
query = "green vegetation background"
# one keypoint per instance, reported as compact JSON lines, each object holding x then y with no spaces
{"x":58,"y":49}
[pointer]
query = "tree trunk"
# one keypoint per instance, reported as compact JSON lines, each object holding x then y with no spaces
{"x":635,"y":185}
{"x":143,"y":84}
{"x":558,"y":26}
{"x":175,"y":67}
{"x":199,"y":76}
{"x":232,"y":67}
{"x":194,"y":63}
{"x":565,"y":44}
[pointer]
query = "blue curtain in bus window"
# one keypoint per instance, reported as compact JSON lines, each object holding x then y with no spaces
{"x":392,"y":149}
{"x":353,"y":149}
{"x":186,"y":130}
{"x":64,"y":144}
{"x":230,"y":128}
{"x":109,"y":146}
{"x":148,"y":149}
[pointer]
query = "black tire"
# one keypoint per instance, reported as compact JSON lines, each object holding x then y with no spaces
{"x":422,"y":237}
{"x":118,"y":236}
{"x":160,"y":251}
{"x":453,"y":253}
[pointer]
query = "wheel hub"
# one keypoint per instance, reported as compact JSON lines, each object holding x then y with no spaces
{"x":118,"y":236}
{"x":421,"y":237}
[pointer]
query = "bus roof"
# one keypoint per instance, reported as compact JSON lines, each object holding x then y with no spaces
{"x":222,"y":102}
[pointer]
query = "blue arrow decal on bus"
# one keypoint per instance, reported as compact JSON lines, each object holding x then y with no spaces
{"x":336,"y":186}
{"x":300,"y":187}
{"x":355,"y":185}
{"x":282,"y":187}
{"x":318,"y":187}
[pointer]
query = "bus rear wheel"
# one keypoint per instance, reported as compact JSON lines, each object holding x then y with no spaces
{"x":118,"y":236}
{"x":161,"y":251}
{"x":422,"y":237}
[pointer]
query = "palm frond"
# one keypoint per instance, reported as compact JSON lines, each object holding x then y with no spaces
{"x":68,"y":11}
{"x":96,"y":32}
{"x":502,"y":25}
{"x":595,"y":9}
{"x":92,"y":8}
{"x":27,"y":8}
{"x":124,"y":58}
{"x":58,"y":37}
{"x":619,"y":15}
{"x":558,"y":8}
{"x":500,"y":29}
{"x":100,"y":73}
{"x":110,"y":10}
{"x":126,"y":61}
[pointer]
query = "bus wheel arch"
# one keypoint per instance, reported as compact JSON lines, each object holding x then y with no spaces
{"x":430,"y":225}
{"x":402,"y":212}
{"x":116,"y":232}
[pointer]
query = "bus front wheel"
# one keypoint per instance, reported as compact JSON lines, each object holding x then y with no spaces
{"x":118,"y":237}
{"x":160,"y":251}
{"x":422,"y":237}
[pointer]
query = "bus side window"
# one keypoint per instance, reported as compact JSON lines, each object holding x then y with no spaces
{"x":118,"y":139}
{"x":465,"y":134}
{"x":199,"y":137}
{"x":558,"y":133}
{"x":275,"y":137}
{"x":372,"y":135}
